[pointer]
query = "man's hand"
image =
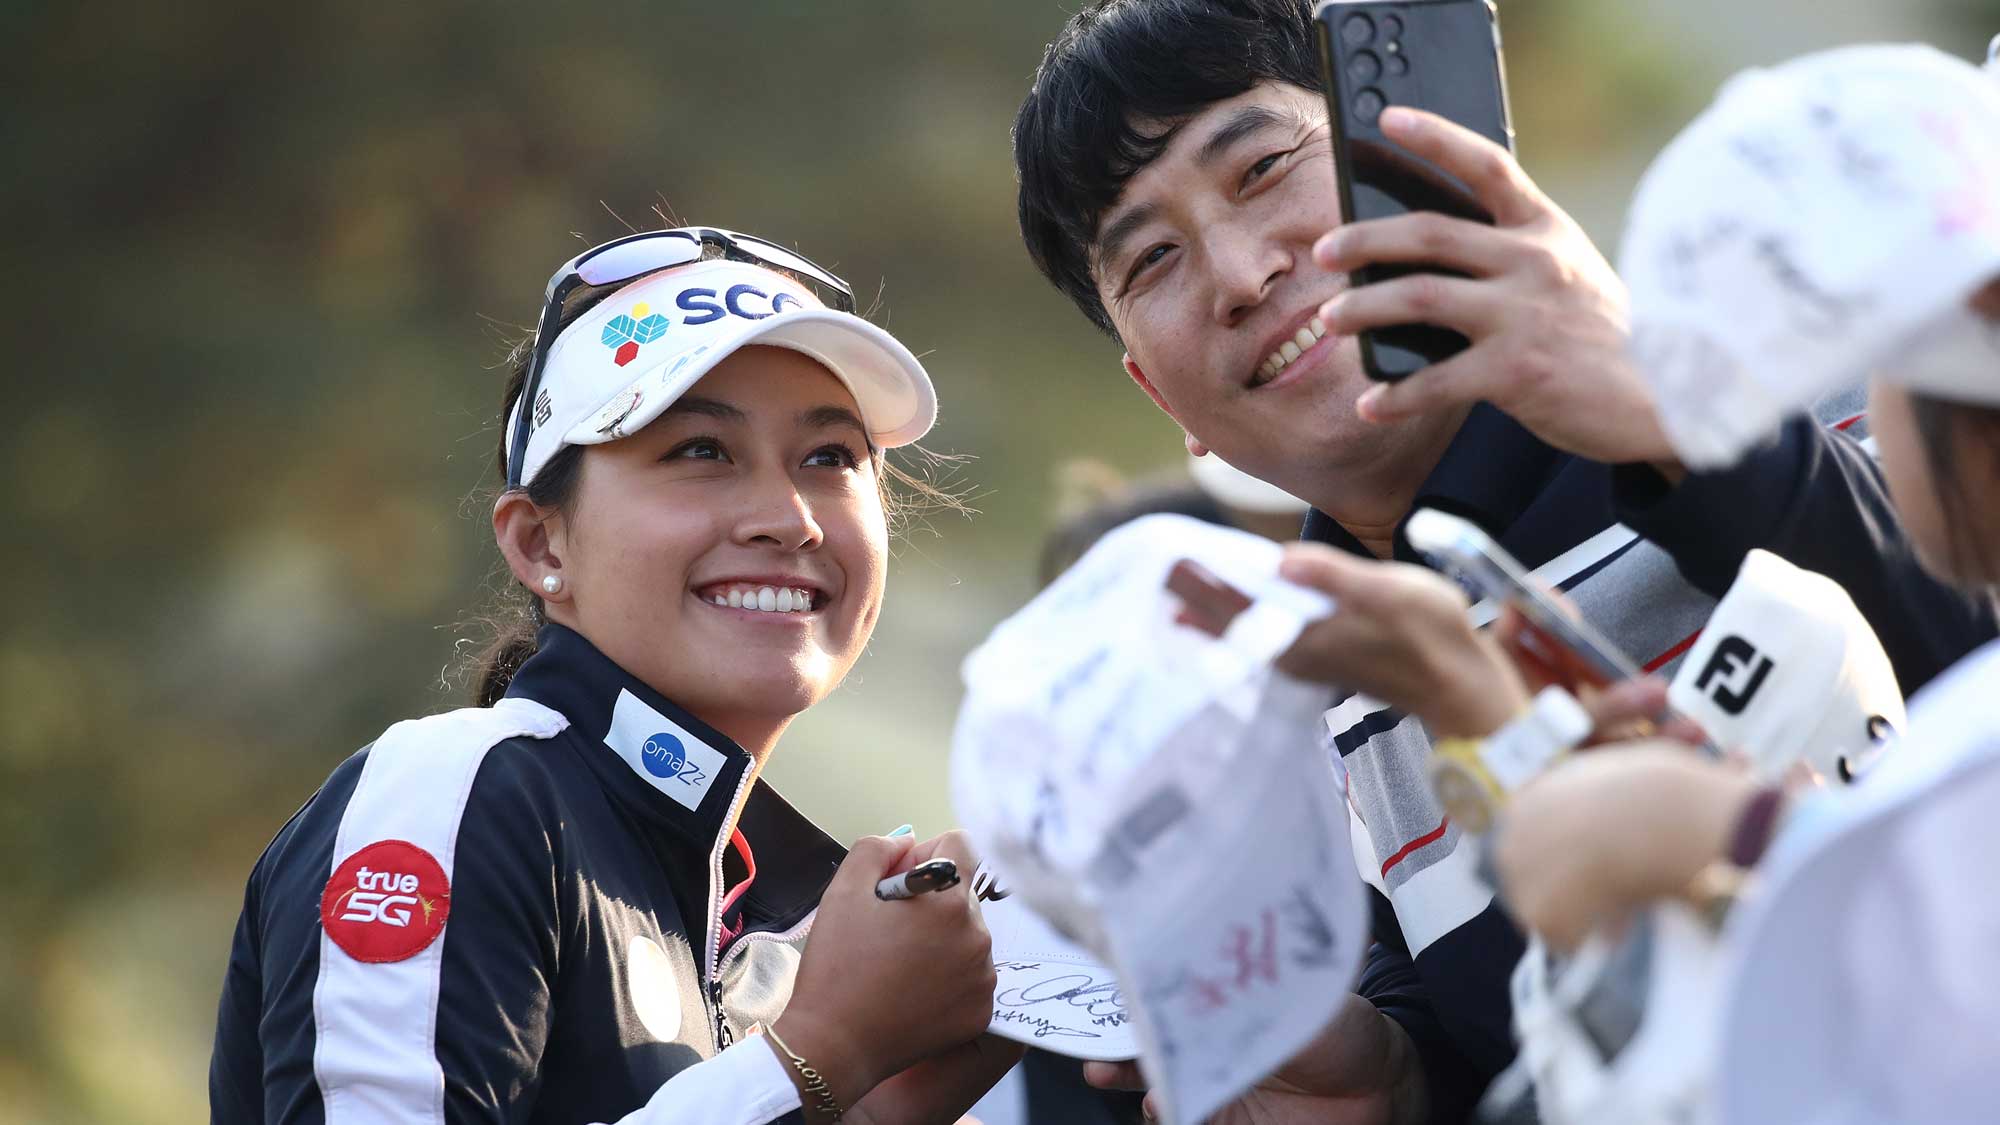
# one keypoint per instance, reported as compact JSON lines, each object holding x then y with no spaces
{"x":1361,"y":1070}
{"x":1546,"y":314}
{"x":1400,"y":634}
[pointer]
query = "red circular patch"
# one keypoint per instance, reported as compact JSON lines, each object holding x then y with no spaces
{"x":386,"y":903}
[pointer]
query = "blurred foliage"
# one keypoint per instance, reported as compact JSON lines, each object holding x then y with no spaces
{"x":266,"y":260}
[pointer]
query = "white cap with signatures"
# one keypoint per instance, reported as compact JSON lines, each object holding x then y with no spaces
{"x":1825,"y":221}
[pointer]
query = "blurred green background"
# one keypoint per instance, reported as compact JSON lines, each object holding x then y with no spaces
{"x":266,"y":260}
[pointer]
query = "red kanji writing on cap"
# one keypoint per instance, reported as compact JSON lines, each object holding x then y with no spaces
{"x":386,"y":902}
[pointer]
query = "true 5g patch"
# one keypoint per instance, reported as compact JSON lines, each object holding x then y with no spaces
{"x":386,"y":902}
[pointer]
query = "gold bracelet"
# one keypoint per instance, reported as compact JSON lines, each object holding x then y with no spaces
{"x":815,"y":1081}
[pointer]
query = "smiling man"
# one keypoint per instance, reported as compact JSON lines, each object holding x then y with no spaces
{"x":1176,"y":183}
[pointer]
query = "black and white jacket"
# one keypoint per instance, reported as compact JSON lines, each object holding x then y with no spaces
{"x":523,"y":914}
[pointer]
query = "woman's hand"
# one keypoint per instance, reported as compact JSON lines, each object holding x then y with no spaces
{"x":883,"y":985}
{"x":1400,"y":633}
{"x":940,"y":1088}
{"x":1607,"y":831}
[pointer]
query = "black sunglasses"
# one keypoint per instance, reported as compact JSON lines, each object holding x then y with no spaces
{"x":632,"y":257}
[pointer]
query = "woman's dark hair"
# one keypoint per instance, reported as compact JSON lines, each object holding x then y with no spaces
{"x":1110,"y":94}
{"x":1946,"y":427}
{"x":517,"y":613}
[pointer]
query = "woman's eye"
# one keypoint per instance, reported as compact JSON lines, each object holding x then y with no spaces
{"x":697,"y":449}
{"x":835,"y":456}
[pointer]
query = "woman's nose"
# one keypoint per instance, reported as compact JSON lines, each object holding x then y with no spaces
{"x":779,"y":516}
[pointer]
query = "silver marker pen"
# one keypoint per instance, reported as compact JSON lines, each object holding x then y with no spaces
{"x":937,"y":875}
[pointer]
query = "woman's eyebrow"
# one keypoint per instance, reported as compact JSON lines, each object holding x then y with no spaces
{"x":709,"y":407}
{"x":819,"y":417}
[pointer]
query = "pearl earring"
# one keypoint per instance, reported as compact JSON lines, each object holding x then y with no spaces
{"x":552,"y":583}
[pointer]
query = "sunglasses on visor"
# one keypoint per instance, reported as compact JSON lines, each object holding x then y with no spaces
{"x":632,"y":257}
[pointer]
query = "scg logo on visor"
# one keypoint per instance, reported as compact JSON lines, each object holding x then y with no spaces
{"x":630,"y":331}
{"x":746,"y":301}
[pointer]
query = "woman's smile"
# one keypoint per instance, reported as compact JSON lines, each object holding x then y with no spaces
{"x":780,"y":599}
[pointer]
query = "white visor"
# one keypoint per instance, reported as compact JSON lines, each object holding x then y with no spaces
{"x":622,"y":363}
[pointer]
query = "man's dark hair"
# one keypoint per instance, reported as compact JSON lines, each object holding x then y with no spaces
{"x":1118,"y":72}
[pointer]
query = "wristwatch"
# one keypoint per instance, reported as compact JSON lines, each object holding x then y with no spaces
{"x":1473,"y":777}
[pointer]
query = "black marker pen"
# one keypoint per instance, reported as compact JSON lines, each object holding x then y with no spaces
{"x":937,"y":875}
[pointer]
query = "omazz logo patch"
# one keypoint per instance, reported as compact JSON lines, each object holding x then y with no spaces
{"x":386,"y":902}
{"x":1738,"y":671}
{"x":627,"y":332}
{"x":663,"y":753}
{"x":664,"y":757}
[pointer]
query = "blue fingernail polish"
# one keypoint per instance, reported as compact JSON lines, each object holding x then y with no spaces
{"x":905,"y":830}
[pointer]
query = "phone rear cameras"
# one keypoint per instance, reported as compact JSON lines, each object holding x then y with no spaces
{"x":1399,"y":65}
{"x":1358,"y":30}
{"x":1369,"y":104}
{"x":1364,"y":67}
{"x":1392,"y":26}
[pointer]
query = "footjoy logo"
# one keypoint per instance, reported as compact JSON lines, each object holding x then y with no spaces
{"x":665,"y":758}
{"x":1737,"y":670}
{"x":386,"y":902}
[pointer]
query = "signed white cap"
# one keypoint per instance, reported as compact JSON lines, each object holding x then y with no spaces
{"x":1824,"y":221}
{"x":1120,"y":766}
{"x":629,"y":357}
{"x":1051,"y":992}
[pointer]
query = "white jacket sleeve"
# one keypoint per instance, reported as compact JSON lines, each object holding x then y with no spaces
{"x":744,"y":1085}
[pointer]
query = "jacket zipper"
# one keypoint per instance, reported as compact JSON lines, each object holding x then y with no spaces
{"x":714,"y":952}
{"x":741,"y":949}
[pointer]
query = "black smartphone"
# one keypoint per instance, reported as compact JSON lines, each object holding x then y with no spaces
{"x":1437,"y":55}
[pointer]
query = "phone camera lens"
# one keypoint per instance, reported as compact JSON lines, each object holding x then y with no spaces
{"x":1357,"y":30}
{"x":1399,"y":65}
{"x":1369,"y":104}
{"x":1364,"y":67}
{"x":1392,"y":26}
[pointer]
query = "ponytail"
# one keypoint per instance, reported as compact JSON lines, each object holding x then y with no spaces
{"x":516,"y":614}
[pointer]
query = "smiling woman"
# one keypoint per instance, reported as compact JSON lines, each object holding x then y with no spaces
{"x":577,"y":902}
{"x":756,"y":492}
